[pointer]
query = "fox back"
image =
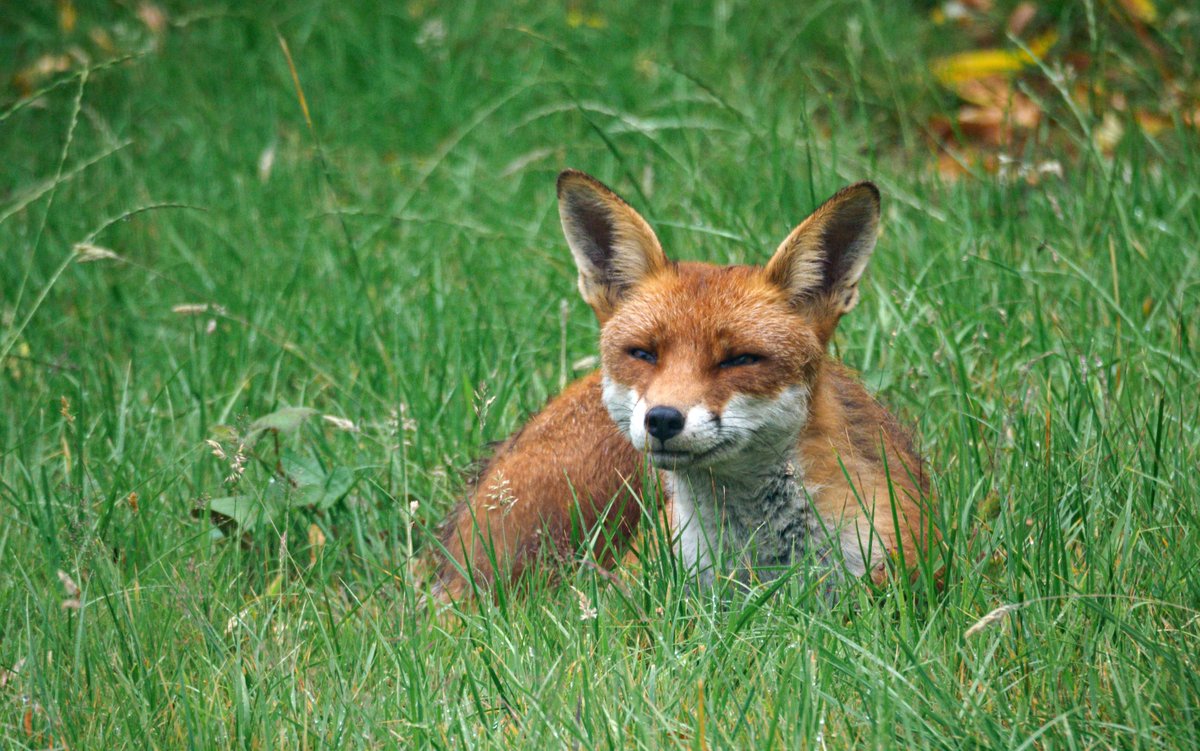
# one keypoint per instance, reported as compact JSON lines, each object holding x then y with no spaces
{"x":772,"y":454}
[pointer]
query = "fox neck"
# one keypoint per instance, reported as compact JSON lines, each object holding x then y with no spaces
{"x":751,"y":518}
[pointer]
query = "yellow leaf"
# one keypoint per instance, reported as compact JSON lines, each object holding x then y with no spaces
{"x":577,"y":18}
{"x":1141,"y":10}
{"x":1042,"y":44}
{"x":966,"y":66}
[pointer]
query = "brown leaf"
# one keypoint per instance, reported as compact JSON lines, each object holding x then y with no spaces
{"x":67,"y":16}
{"x":982,"y":124}
{"x":1152,"y":123}
{"x":997,"y":93}
{"x":316,"y":541}
{"x":1020,"y":18}
{"x":102,"y":39}
{"x":995,"y":115}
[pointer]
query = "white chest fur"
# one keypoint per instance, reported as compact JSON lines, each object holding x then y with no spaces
{"x":749,"y":527}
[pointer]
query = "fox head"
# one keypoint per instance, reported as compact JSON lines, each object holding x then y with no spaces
{"x":702,"y":364}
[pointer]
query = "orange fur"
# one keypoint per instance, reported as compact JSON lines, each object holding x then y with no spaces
{"x":544,"y":491}
{"x":758,"y":419}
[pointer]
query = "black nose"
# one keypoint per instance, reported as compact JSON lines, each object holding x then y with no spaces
{"x":664,"y":423}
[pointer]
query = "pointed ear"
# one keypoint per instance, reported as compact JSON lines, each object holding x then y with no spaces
{"x":822,"y":260}
{"x":613,"y":246}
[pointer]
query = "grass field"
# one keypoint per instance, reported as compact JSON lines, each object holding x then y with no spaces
{"x":397,"y":263}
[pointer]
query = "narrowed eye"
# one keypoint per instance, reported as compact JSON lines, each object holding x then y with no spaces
{"x":740,"y":360}
{"x":641,"y":354}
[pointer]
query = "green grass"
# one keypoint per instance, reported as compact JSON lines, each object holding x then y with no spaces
{"x":402,"y":267}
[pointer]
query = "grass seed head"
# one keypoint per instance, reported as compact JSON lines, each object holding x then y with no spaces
{"x":989,"y":620}
{"x":88,"y":253}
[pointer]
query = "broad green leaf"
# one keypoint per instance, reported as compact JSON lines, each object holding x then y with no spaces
{"x":283,"y":420}
{"x":247,"y":511}
{"x":315,"y":486}
{"x":302,"y":470}
{"x":324,"y":496}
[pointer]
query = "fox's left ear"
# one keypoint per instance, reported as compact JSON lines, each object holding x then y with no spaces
{"x":613,"y":246}
{"x":821,"y":261}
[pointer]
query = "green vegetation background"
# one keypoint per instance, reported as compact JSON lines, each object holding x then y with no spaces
{"x":398,"y":264}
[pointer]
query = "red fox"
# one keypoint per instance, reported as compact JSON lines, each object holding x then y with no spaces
{"x":716,"y":377}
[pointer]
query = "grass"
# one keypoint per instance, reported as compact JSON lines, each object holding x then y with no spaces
{"x":399,"y":264}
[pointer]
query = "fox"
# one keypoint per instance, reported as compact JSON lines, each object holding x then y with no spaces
{"x":716,"y":379}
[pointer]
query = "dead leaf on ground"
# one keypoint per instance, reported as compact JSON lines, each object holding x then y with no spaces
{"x":30,"y":77}
{"x":1151,"y":123}
{"x":996,"y":117}
{"x":316,"y":541}
{"x":964,"y":66}
{"x":1019,"y":19}
{"x":67,"y":16}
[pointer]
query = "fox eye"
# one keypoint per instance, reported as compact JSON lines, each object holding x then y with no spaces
{"x":641,"y":354}
{"x":740,"y":360}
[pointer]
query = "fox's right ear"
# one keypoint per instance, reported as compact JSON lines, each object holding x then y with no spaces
{"x":821,"y":262}
{"x":613,"y":246}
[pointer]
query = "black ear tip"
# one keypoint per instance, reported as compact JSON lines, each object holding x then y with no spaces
{"x":861,"y":199}
{"x":569,"y":178}
{"x":865,"y":188}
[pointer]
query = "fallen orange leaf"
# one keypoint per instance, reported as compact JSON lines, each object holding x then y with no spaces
{"x":1151,"y":123}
